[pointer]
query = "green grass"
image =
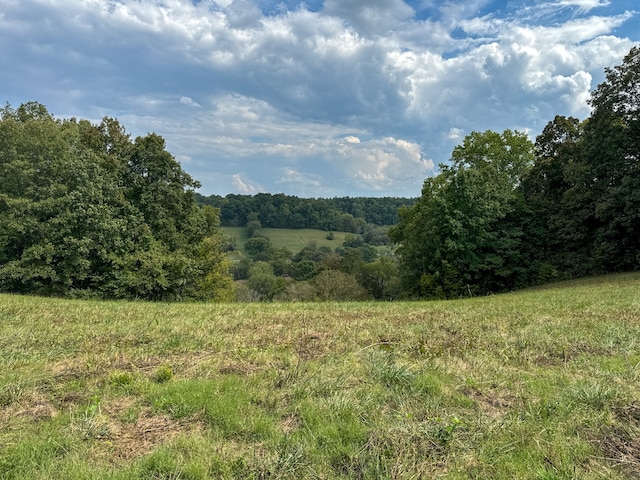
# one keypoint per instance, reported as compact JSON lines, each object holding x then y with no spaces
{"x":293,"y":239}
{"x":539,"y":384}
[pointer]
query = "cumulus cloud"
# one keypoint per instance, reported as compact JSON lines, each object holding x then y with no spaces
{"x":379,"y":164}
{"x":370,"y":17}
{"x":188,"y":101}
{"x":455,"y":133}
{"x":332,"y":98}
{"x":245,"y":186}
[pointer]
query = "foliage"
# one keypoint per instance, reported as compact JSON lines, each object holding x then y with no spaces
{"x":455,"y":239}
{"x":344,"y":214}
{"x":612,"y":166}
{"x":583,"y":191}
{"x":334,"y":285}
{"x":85,"y":211}
{"x":549,"y":238}
{"x":381,"y":279}
{"x":498,"y":218}
{"x":258,"y":248}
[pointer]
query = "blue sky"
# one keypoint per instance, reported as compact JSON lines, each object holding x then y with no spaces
{"x":319,"y":98}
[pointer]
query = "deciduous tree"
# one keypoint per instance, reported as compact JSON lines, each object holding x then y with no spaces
{"x":455,"y":240}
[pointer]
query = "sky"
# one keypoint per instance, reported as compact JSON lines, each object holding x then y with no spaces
{"x":315,"y":98}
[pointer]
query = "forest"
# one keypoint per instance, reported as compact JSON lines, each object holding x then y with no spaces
{"x":342,"y":214}
{"x":87,"y":211}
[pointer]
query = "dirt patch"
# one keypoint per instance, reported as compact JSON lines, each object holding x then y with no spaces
{"x":556,"y":356}
{"x":313,"y":345}
{"x":34,"y":408}
{"x":141,"y":437}
{"x":132,"y":439}
{"x":489,"y":403}
{"x":289,"y":424}
{"x":621,"y":446}
{"x":41,"y":410}
{"x":229,"y":367}
{"x":68,"y":370}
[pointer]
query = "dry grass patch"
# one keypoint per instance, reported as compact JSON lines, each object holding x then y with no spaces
{"x":621,"y":445}
{"x":128,"y":440}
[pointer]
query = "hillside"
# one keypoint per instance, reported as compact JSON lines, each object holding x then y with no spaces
{"x":292,"y":239}
{"x":536,"y":384}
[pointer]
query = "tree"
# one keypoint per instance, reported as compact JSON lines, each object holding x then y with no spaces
{"x":63,"y":222}
{"x":380,"y":278}
{"x":263,"y":281}
{"x":334,"y":285}
{"x":454,"y":241}
{"x":583,"y":191}
{"x":85,"y":212}
{"x":554,"y":237}
{"x":258,"y":248}
{"x":303,"y":270}
{"x":280,"y":260}
{"x":156,"y":184}
{"x":612,"y":166}
{"x":253,"y":228}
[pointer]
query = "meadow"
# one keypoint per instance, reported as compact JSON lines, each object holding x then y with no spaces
{"x":292,"y":239}
{"x":537,"y":384}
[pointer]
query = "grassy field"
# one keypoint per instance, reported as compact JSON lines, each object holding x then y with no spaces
{"x":293,"y":239}
{"x":539,"y":384}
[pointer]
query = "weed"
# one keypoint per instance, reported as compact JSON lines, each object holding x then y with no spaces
{"x":91,"y":424}
{"x":593,"y":394}
{"x":11,"y":393}
{"x":163,"y":374}
{"x":384,"y":368}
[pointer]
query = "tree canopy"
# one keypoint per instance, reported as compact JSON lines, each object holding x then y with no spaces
{"x":506,"y":213}
{"x":345,"y":214}
{"x":86,"y":211}
{"x":455,"y":239}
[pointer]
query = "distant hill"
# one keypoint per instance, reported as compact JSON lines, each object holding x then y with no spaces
{"x":291,"y":239}
{"x":343,"y":214}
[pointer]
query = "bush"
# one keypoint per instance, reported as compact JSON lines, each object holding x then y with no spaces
{"x":338,"y":286}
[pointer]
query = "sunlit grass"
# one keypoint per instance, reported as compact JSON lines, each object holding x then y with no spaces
{"x":292,"y":239}
{"x":536,"y":384}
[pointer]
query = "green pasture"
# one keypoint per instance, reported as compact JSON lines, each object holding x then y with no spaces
{"x":293,"y":239}
{"x":538,"y":384}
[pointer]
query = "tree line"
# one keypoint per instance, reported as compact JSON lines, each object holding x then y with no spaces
{"x":508,"y":213}
{"x":340,"y":214}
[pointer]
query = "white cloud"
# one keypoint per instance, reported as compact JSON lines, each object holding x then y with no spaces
{"x":245,"y":186}
{"x":188,"y":101}
{"x":584,"y":5}
{"x":382,"y":163}
{"x":347,"y":96}
{"x":455,"y":133}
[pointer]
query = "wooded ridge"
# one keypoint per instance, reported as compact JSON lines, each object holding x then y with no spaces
{"x":341,"y":214}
